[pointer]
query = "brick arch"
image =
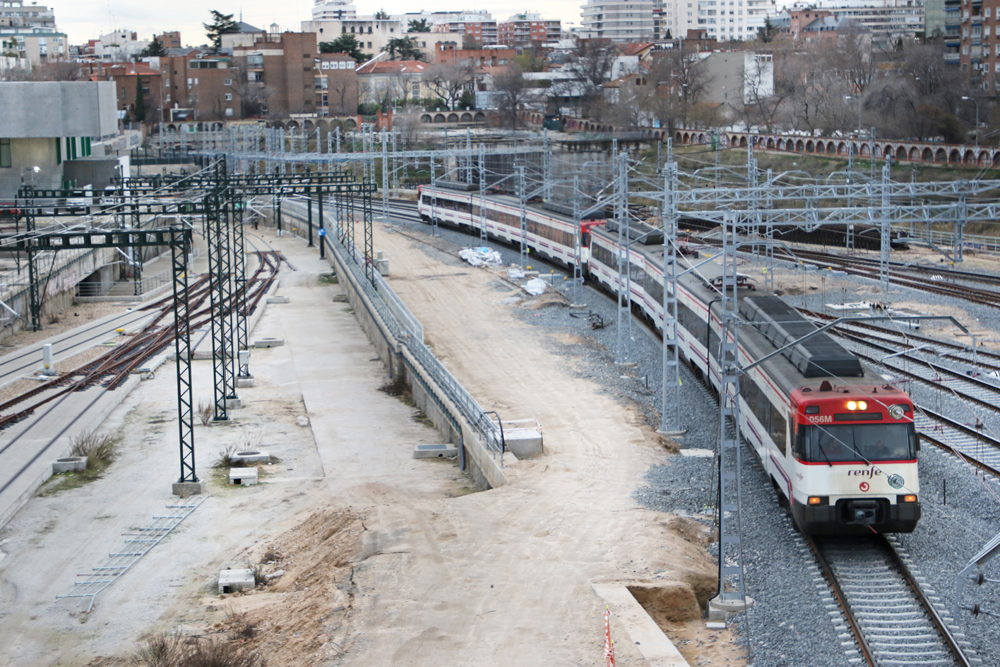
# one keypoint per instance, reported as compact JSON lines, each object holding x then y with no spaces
{"x":831,"y":148}
{"x":810,"y":146}
{"x":940,"y":155}
{"x":983,"y":158}
{"x":439,"y":118}
{"x":865,"y":150}
{"x":350,"y":123}
{"x":308,"y":125}
{"x":480,"y":117}
{"x":743,"y":142}
{"x":799,"y":145}
{"x":914,"y":153}
{"x":996,"y":159}
{"x":955,"y":156}
{"x":466,"y":117}
{"x":426,"y":118}
{"x":292,"y":125}
{"x":927,"y":155}
{"x":969,"y":157}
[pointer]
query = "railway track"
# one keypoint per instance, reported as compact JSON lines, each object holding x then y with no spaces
{"x":893,"y":619}
{"x":19,"y":452}
{"x":848,"y":265}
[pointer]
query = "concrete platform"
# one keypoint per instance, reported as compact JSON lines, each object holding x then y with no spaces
{"x":269,"y":342}
{"x":231,"y":581}
{"x":642,"y":630}
{"x":69,"y":464}
{"x":259,"y":456}
{"x":434,"y":451}
{"x":243,"y":476}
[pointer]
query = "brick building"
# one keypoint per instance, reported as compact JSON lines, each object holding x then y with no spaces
{"x":336,"y":85}
{"x":523,"y":30}
{"x":126,"y":77}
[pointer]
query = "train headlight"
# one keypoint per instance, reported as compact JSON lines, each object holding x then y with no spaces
{"x":897,"y":411}
{"x":909,"y":499}
{"x":857,"y":405}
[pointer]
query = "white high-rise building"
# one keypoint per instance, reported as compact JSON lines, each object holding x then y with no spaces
{"x":333,"y":10}
{"x":723,"y":19}
{"x":625,"y":21}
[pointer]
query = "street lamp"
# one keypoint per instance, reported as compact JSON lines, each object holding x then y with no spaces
{"x":966,"y":97}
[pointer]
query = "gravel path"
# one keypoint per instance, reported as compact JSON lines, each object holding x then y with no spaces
{"x":791,"y":623}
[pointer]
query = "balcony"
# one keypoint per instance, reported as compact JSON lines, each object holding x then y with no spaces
{"x":952,"y":58}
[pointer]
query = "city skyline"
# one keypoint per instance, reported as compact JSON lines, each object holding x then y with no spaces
{"x":81,"y":22}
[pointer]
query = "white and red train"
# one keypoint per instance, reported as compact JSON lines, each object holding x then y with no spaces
{"x":838,"y":441}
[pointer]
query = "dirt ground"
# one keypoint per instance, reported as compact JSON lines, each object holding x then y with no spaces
{"x":383,"y":559}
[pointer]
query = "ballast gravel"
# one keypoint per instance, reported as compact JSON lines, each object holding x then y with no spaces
{"x":793,"y":620}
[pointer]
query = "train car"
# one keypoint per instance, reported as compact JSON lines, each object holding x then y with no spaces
{"x":551,"y":232}
{"x":837,"y":441}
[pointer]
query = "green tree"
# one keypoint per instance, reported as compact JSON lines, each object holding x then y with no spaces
{"x":668,"y":32}
{"x":221,"y":24}
{"x":139,"y":110}
{"x":382,"y":15}
{"x":344,"y":44}
{"x":767,"y":31}
{"x":403,"y":48}
{"x":418,"y":25}
{"x":155,"y":49}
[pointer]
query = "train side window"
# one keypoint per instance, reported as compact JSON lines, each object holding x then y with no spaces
{"x":779,"y":426}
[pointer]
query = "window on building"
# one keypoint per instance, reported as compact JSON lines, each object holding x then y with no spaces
{"x":5,"y":159}
{"x":229,"y":111}
{"x":229,"y":97}
{"x":229,"y":82}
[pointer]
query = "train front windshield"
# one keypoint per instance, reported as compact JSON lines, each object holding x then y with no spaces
{"x":857,"y":443}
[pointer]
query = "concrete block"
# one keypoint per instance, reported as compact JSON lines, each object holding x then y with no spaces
{"x":69,"y":464}
{"x":720,"y":610}
{"x":278,"y":299}
{"x":242,"y":383}
{"x":252,"y":457}
{"x":185,"y":489}
{"x":269,"y":342}
{"x":243,"y":476}
{"x":234,"y":403}
{"x":231,"y":581}
{"x":434,"y":451}
{"x":523,"y":437}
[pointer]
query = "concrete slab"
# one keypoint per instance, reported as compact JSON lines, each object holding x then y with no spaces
{"x":259,"y":456}
{"x":434,"y":451}
{"x":278,"y":299}
{"x":243,"y":476}
{"x":269,"y":342}
{"x":243,"y":383}
{"x":69,"y":464}
{"x":185,"y":489}
{"x":231,"y":581}
{"x":626,"y":612}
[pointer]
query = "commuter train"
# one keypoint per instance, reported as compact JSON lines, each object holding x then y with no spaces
{"x":837,"y":441}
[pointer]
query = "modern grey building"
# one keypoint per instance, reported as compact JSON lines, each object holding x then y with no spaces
{"x":45,"y":124}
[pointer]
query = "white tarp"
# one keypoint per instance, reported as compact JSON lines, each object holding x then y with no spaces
{"x":481,"y":257}
{"x":535,"y":286}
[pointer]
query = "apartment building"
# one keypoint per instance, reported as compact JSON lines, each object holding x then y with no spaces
{"x":37,"y":45}
{"x":972,"y":40}
{"x":170,"y":40}
{"x":724,"y":20}
{"x":888,"y":20}
{"x":523,"y":30}
{"x":618,"y":21}
{"x":15,"y":13}
{"x":477,"y":26}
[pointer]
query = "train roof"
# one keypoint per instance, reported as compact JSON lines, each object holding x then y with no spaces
{"x":557,"y":210}
{"x":772,"y":323}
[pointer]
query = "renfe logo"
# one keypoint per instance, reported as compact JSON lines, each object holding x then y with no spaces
{"x":820,"y":419}
{"x":869,"y":472}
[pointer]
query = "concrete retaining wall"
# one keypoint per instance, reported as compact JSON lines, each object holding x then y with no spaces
{"x":427,"y":395}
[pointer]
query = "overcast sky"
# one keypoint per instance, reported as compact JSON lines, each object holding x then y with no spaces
{"x":82,"y":19}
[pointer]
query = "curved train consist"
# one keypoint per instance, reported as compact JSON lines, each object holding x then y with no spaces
{"x":838,"y":441}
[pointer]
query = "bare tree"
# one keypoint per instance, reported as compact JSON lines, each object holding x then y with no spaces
{"x":342,"y":86}
{"x":253,"y":95}
{"x":852,"y":55}
{"x":590,"y":64}
{"x":448,"y":81}
{"x":512,"y":92}
{"x":676,"y":85}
